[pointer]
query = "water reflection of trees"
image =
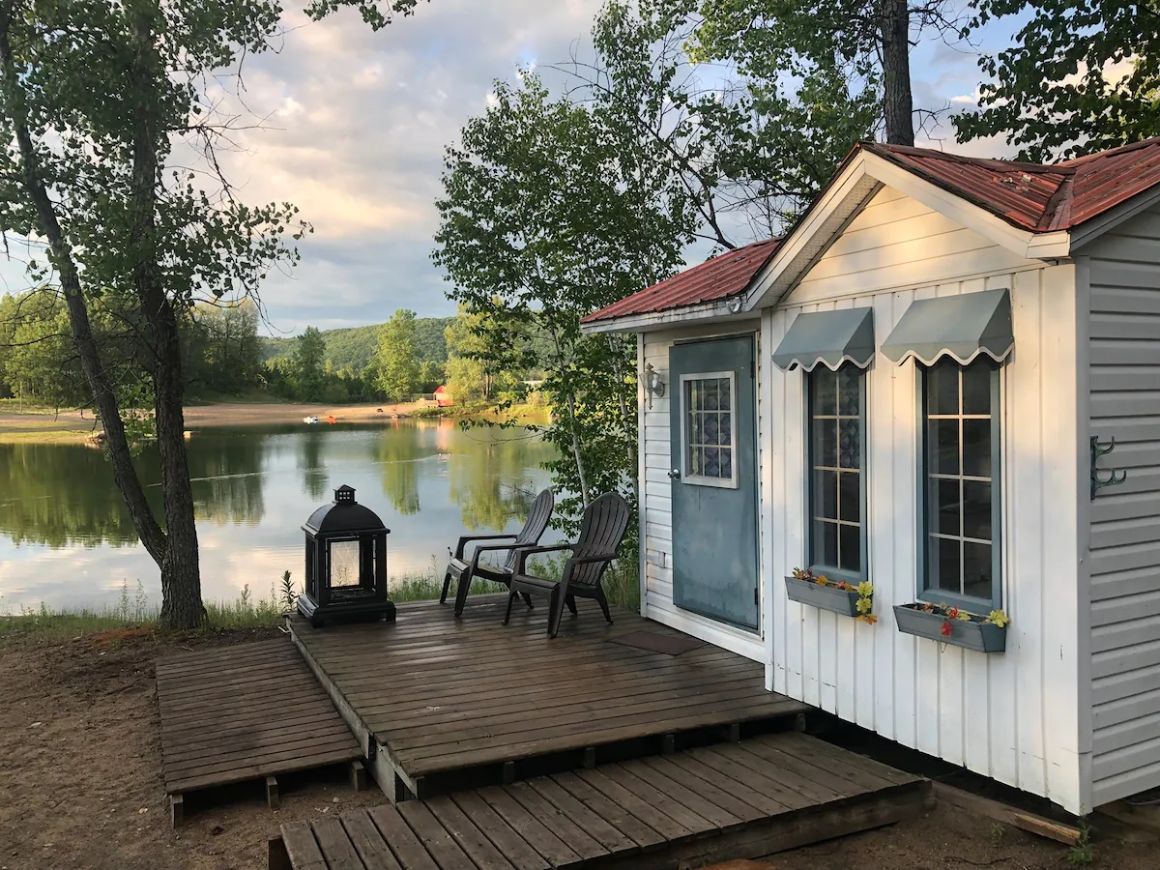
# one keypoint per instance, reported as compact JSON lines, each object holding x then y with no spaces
{"x":314,"y":474}
{"x":227,"y":477}
{"x":398,"y":453}
{"x":63,"y":495}
{"x":494,"y":475}
{"x":60,"y":495}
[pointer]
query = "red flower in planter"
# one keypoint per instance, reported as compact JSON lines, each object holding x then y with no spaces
{"x":946,"y":629}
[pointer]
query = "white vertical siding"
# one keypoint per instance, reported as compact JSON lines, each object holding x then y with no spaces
{"x":657,"y":505}
{"x":1123,"y":270}
{"x":1013,"y":716}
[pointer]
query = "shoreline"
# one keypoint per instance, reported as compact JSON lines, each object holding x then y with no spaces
{"x":48,"y":427}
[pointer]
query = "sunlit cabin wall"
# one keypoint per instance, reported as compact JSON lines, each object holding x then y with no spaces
{"x":1013,"y":716}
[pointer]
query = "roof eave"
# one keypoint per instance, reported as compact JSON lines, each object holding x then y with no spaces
{"x":718,"y":310}
{"x":1094,"y":227}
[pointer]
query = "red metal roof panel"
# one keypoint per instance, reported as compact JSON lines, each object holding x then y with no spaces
{"x":723,"y":276}
{"x":1035,"y":197}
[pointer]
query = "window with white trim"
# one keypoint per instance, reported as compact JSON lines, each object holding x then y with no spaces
{"x":962,"y":509}
{"x":837,"y":485}
{"x":710,"y":437}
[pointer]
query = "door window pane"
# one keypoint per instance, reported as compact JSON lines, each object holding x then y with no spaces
{"x":708,"y":413}
{"x":961,"y":512}
{"x":837,"y":495}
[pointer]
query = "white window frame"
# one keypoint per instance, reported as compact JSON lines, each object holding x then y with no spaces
{"x":733,"y":482}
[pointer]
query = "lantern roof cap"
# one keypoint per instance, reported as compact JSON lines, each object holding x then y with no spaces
{"x":343,"y":516}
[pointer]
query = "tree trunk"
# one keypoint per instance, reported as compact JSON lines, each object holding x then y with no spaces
{"x":897,"y":102}
{"x":181,"y":606}
{"x":104,"y":397}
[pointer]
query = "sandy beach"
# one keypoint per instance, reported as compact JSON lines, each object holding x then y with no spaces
{"x":17,"y":425}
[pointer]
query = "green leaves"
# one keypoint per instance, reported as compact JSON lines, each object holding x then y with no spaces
{"x":397,"y":368}
{"x":1083,"y":76}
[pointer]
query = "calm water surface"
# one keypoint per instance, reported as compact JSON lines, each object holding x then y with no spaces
{"x":67,"y":541}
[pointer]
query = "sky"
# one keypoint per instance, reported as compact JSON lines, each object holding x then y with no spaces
{"x":356,"y":123}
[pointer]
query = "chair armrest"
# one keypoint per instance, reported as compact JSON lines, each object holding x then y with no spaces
{"x":521,"y":565}
{"x":463,"y":541}
{"x":484,"y":548}
{"x":588,"y":560}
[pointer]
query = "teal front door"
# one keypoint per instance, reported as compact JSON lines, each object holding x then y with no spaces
{"x":714,"y":474}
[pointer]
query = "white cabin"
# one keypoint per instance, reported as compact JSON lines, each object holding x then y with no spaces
{"x":905,"y":391}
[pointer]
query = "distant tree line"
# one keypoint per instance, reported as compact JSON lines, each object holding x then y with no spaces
{"x":225,"y":357}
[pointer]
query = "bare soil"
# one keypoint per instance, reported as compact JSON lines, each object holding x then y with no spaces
{"x":80,"y":783}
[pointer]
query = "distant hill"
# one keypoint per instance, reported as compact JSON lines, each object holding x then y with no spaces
{"x":355,"y":346}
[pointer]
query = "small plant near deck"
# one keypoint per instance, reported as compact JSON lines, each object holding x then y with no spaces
{"x":1083,"y":852}
{"x":865,"y":590}
{"x":288,"y":593}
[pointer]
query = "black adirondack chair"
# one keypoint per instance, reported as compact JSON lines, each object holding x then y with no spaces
{"x":601,"y":531}
{"x":463,"y":571}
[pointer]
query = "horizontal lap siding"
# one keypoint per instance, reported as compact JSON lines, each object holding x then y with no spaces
{"x":1124,"y":277}
{"x":657,"y":505}
{"x":1011,"y":716}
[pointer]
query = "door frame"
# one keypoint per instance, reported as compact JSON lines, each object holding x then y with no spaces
{"x":752,"y":638}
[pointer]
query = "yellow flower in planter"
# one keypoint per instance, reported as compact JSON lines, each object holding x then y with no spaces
{"x":865,"y":589}
{"x":864,"y":605}
{"x":999,"y":618}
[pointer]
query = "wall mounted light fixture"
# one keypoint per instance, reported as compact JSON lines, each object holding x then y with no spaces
{"x":653,"y":383}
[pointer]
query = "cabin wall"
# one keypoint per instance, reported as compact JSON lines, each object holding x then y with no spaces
{"x":1013,"y":716}
{"x":1123,"y":275}
{"x":656,"y":496}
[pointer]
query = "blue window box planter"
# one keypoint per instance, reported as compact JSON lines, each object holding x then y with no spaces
{"x":973,"y":634}
{"x":829,"y":597}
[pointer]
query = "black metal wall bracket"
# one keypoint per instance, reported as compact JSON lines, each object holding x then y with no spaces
{"x":1104,"y":477}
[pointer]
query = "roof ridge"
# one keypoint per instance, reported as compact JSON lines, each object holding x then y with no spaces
{"x":987,"y":162}
{"x":1084,"y":159}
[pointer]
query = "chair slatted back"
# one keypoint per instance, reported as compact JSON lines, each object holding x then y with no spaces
{"x":601,"y":531}
{"x":533,"y":529}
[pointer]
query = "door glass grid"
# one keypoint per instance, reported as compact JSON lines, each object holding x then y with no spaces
{"x":709,"y":428}
{"x":959,"y":458}
{"x":836,"y":430}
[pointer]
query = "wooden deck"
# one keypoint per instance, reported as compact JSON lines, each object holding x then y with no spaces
{"x":434,"y":698}
{"x":696,"y":807}
{"x":244,"y":712}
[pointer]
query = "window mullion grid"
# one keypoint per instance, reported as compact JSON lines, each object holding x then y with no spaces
{"x":837,"y":469}
{"x":962,"y":494}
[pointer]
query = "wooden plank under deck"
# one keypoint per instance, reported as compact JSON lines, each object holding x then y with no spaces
{"x":441,"y":695}
{"x":699,"y":806}
{"x":244,"y":712}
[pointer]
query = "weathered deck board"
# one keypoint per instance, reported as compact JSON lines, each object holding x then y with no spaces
{"x":442,"y":695}
{"x":609,"y":817}
{"x":245,"y":712}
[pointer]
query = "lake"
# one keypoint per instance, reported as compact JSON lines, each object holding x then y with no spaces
{"x":66,"y":539}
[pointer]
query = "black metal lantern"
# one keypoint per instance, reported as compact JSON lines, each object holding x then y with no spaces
{"x":346,"y":562}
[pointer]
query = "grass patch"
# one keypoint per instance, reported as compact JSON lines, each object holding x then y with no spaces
{"x":135,"y":614}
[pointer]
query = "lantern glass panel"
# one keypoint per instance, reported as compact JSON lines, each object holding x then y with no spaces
{"x":344,"y":564}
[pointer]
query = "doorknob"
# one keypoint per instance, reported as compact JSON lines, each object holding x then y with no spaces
{"x":675,"y":474}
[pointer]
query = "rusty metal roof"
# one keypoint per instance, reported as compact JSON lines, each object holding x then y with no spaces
{"x":725,"y":275}
{"x":1037,"y":197}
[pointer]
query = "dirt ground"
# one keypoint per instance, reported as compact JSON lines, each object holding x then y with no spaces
{"x":80,"y":784}
{"x":78,"y":425}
